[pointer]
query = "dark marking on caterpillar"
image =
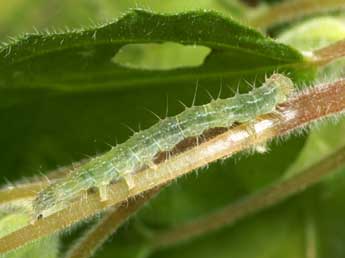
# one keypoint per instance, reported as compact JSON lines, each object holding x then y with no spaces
{"x":169,"y":136}
{"x":189,"y":143}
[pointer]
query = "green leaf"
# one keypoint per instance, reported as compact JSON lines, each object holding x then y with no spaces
{"x":278,"y":232}
{"x":314,"y":33}
{"x":321,"y":32}
{"x":82,"y":60}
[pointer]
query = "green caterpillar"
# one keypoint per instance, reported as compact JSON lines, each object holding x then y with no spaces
{"x":139,"y":150}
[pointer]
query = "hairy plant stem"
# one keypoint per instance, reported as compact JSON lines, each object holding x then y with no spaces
{"x":292,"y":10}
{"x":330,"y":53}
{"x":272,"y":194}
{"x":21,"y":192}
{"x":113,"y":218}
{"x":302,"y":109}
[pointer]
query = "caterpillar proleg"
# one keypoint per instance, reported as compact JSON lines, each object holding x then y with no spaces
{"x":140,"y":150}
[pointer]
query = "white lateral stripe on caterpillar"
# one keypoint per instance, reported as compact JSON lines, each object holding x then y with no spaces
{"x":140,"y":150}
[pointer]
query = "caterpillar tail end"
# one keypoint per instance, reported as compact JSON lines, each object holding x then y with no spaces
{"x":35,"y":218}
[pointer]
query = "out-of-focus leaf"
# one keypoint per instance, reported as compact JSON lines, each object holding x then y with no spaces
{"x":278,"y":232}
{"x":47,"y":247}
{"x":314,"y":33}
{"x":21,"y":16}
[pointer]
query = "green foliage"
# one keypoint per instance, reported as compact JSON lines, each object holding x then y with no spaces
{"x":311,"y":34}
{"x":89,"y":53}
{"x":64,"y":95}
{"x":12,"y":220}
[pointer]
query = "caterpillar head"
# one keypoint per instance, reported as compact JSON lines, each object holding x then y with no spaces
{"x":46,"y":203}
{"x":283,"y":84}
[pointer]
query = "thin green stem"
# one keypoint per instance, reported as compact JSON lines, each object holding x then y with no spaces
{"x":310,"y":236}
{"x":111,"y":221}
{"x":273,"y":194}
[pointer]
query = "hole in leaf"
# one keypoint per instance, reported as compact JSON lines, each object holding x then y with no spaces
{"x":162,"y":56}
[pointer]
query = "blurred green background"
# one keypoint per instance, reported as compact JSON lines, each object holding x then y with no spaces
{"x":18,"y":16}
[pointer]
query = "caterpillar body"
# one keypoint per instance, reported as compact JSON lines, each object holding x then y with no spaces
{"x":140,"y":150}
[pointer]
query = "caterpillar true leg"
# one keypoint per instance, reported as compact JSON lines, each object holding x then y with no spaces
{"x":103,"y":193}
{"x":129,"y":182}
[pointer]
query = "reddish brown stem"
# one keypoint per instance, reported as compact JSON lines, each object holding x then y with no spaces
{"x":306,"y":107}
{"x":114,"y":218}
{"x":294,"y":9}
{"x":330,"y":53}
{"x":313,"y":104}
{"x":273,"y":194}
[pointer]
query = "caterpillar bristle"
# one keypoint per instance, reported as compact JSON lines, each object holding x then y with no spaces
{"x":158,"y":143}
